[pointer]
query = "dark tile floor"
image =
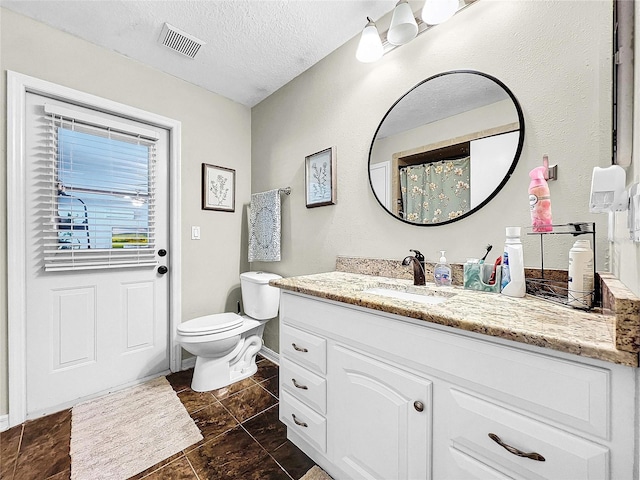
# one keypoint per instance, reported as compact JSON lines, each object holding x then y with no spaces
{"x":243,"y":438}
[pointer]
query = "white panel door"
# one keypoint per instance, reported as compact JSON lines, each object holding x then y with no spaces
{"x":380,"y":174}
{"x":90,"y":331}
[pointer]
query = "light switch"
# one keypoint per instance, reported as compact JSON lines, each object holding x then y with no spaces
{"x":195,"y":233}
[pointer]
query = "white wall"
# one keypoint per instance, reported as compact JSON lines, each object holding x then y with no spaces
{"x":555,"y":56}
{"x":473,"y":121}
{"x":491,"y":158}
{"x":625,"y":255}
{"x":214,"y":130}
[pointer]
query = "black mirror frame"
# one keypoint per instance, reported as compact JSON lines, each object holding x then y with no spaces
{"x":504,"y":180}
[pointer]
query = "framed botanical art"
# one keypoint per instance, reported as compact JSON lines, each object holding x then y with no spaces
{"x":320,"y":178}
{"x":218,"y":188}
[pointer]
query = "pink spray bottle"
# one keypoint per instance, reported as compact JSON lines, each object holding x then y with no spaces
{"x":540,"y":201}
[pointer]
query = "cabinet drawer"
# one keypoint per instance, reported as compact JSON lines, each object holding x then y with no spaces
{"x":471,"y":419}
{"x":308,"y":387}
{"x":304,"y":348}
{"x":304,"y":421}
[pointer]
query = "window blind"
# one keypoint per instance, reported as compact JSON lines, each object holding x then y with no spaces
{"x":99,"y":206}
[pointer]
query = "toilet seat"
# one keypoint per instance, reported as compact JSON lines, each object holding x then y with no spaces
{"x":209,"y":324}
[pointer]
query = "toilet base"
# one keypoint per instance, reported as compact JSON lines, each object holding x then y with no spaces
{"x":214,"y":373}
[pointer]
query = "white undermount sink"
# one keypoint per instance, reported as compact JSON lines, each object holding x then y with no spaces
{"x":400,"y":295}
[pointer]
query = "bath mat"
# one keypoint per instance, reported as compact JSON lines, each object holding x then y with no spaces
{"x":316,"y":473}
{"x":124,"y":433}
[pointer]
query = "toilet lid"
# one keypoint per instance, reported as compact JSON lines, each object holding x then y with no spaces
{"x":208,"y":324}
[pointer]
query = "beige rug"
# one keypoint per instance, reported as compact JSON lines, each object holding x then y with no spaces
{"x":316,"y":473}
{"x":124,"y":433}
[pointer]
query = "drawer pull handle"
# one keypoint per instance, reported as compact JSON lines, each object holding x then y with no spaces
{"x":299,"y":349}
{"x":515,"y":451}
{"x":297,"y":385}
{"x":298,"y":422}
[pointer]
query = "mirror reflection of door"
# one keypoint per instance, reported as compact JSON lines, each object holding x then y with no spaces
{"x":453,"y":140}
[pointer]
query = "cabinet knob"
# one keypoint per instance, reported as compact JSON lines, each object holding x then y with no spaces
{"x":418,"y":405}
{"x":515,"y":451}
{"x":299,"y":349}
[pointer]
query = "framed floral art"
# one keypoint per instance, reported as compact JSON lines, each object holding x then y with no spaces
{"x":218,"y":188}
{"x":320,"y":178}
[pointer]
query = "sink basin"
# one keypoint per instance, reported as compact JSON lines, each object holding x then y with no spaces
{"x":425,"y":298}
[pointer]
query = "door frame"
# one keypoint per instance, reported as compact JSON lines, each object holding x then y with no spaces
{"x":18,"y":85}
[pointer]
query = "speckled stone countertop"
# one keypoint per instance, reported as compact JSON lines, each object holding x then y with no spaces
{"x":527,"y":320}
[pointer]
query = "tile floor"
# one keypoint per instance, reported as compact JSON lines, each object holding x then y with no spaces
{"x":243,"y":438}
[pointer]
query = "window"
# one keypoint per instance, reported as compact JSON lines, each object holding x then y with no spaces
{"x":101,"y":209}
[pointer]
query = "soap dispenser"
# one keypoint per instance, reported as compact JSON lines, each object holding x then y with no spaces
{"x":442,"y":272}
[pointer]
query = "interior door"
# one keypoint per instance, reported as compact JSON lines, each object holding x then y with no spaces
{"x":93,"y":329}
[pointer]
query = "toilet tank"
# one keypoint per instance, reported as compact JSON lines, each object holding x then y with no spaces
{"x":260,"y":300}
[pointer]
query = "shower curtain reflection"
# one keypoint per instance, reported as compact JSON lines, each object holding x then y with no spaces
{"x":435,"y":192}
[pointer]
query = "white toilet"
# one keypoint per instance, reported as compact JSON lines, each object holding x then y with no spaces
{"x":226,"y":344}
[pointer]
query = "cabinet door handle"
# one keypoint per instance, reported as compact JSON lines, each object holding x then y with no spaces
{"x":515,"y":451}
{"x":418,"y":405}
{"x":297,"y":385}
{"x":298,"y":422}
{"x":299,"y":349}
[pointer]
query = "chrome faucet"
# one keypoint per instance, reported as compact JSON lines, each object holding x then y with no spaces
{"x":418,"y":267}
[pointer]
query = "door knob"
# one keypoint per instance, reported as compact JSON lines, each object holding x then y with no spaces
{"x":418,"y":405}
{"x":162,"y":252}
{"x":162,"y":269}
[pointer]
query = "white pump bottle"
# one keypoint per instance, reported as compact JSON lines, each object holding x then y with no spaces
{"x":513,"y":283}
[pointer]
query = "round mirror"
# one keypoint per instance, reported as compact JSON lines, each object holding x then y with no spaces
{"x":446,"y":148}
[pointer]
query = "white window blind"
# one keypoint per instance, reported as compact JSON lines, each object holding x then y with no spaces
{"x":100,"y":201}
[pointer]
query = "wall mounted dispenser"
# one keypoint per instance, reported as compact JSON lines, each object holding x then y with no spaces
{"x":608,"y":192}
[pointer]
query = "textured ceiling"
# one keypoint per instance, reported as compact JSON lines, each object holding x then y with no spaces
{"x":442,"y":97}
{"x":253,"y":47}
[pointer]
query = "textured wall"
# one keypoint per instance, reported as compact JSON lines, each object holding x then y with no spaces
{"x":214,"y":130}
{"x":556,"y":58}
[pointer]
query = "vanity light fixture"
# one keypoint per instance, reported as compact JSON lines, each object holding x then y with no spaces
{"x":438,"y":11}
{"x":370,"y":47}
{"x":403,"y":27}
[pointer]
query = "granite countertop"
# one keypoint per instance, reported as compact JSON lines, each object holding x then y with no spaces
{"x":609,"y":335}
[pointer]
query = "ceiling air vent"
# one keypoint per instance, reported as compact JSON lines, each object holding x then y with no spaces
{"x":179,"y":41}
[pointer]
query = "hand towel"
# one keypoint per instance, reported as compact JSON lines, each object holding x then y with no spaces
{"x":264,"y":227}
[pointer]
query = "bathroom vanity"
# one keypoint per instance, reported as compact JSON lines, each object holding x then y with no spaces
{"x":377,"y":385}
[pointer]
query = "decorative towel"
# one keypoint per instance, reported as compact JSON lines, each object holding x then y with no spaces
{"x":264,"y":227}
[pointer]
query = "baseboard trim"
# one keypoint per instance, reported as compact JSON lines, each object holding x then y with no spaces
{"x":4,"y":422}
{"x":188,"y":363}
{"x":269,"y":354}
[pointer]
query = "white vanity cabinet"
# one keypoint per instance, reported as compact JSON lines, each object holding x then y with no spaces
{"x":380,"y":418}
{"x":388,"y":398}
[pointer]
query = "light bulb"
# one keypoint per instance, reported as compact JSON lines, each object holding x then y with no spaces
{"x":370,"y":46}
{"x":403,"y":27}
{"x":438,"y":11}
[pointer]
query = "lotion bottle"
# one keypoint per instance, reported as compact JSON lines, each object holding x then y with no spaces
{"x":540,"y":201}
{"x":442,"y":272}
{"x":513,"y":283}
{"x":580,"y":274}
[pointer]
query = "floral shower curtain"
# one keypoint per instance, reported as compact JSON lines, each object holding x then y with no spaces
{"x":435,"y":192}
